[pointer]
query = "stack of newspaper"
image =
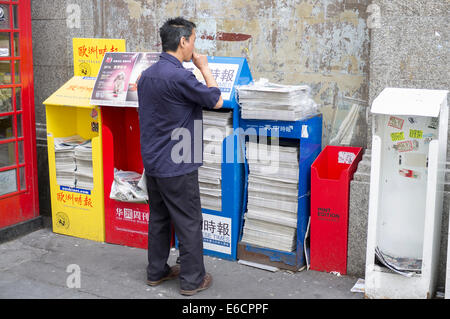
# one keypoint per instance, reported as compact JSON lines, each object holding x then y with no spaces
{"x":407,"y":267}
{"x":129,"y":186}
{"x":271,"y":217}
{"x":216,"y":126}
{"x":84,"y":174}
{"x":268,"y":101}
{"x":65,"y":159}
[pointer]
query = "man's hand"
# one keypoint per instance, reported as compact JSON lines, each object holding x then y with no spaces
{"x":200,"y":61}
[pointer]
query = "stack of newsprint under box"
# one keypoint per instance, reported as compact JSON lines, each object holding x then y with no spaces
{"x":271,"y":217}
{"x":216,"y":126}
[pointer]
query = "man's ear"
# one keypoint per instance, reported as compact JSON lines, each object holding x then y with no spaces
{"x":182,"y":42}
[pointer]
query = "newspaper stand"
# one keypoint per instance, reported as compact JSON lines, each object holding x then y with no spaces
{"x":230,"y":71}
{"x":409,"y":147}
{"x":126,"y":223}
{"x":307,"y":132}
{"x":75,"y":211}
{"x":331,"y":174}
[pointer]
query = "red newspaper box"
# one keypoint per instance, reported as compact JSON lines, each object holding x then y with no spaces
{"x":331,"y":173}
{"x":125,"y":223}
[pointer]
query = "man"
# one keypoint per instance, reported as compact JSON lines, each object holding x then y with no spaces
{"x":170,"y":99}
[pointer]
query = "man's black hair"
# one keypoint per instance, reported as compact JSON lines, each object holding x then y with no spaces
{"x":173,"y":30}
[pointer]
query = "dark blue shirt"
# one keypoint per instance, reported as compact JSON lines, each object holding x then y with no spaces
{"x":170,"y":100}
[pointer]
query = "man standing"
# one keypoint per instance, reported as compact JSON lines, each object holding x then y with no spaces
{"x":170,"y":100}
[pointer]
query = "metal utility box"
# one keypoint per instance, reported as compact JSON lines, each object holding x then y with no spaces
{"x":409,"y":147}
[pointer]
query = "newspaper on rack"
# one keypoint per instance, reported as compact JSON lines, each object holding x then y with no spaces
{"x":84,"y":173}
{"x":407,"y":267}
{"x":65,"y":159}
{"x":216,"y":126}
{"x":269,"y":101}
{"x":271,"y":217}
{"x":125,"y":187}
{"x":68,"y":143}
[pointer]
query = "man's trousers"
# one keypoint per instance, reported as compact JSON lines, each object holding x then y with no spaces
{"x":175,"y":200}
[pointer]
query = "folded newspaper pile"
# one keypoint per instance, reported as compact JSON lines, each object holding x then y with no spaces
{"x":407,"y":267}
{"x":84,"y":174}
{"x":271,"y":217}
{"x":268,"y":101}
{"x":216,"y":126}
{"x":128,"y":186}
{"x":65,"y":159}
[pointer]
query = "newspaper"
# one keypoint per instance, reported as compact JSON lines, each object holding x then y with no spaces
{"x":359,"y":286}
{"x":216,"y":126}
{"x":271,"y":217}
{"x":407,"y":267}
{"x":125,"y":187}
{"x":270,"y":101}
{"x":66,"y":149}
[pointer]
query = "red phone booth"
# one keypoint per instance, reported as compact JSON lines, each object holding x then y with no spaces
{"x":18,"y":171}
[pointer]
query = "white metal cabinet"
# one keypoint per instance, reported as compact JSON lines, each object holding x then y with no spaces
{"x":409,"y":147}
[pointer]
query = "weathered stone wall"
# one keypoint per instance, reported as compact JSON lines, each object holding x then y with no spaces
{"x":321,"y":43}
{"x":409,"y":49}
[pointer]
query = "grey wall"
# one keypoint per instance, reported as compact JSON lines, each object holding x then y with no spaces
{"x":410,"y":49}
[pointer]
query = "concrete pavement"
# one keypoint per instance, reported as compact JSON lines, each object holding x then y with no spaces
{"x":44,"y":265}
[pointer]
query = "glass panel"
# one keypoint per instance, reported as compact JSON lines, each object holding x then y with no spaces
{"x":5,"y":43}
{"x":16,"y":45}
{"x":7,"y":154}
{"x":23,"y":184}
{"x":16,"y":16}
{"x":6,"y":100}
{"x":17,"y":72}
{"x":5,"y":72}
{"x":18,"y":98}
{"x":4,"y":17}
{"x":8,"y":182}
{"x":6,"y":127}
{"x":21,"y":154}
{"x":19,"y":125}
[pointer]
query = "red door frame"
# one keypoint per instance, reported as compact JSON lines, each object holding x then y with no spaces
{"x":22,"y":204}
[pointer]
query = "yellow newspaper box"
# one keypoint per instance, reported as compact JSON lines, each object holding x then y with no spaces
{"x":74,"y":140}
